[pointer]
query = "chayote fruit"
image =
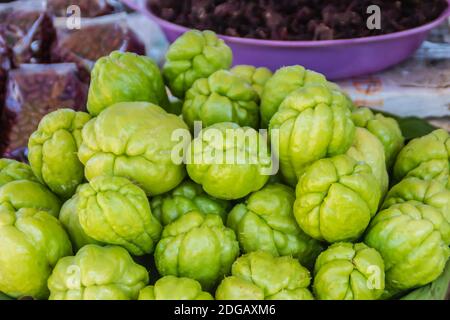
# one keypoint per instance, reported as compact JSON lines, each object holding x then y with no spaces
{"x":71,"y":222}
{"x":336,"y":199}
{"x":113,"y":210}
{"x":194,"y":55}
{"x":197,"y":246}
{"x":97,"y":273}
{"x":223,"y":97}
{"x":384,"y":128}
{"x":11,"y":170}
{"x":427,"y":158}
{"x":53,"y":148}
{"x":23,"y":194}
{"x":347,"y":271}
{"x":125,"y":77}
{"x":173,"y":288}
{"x":257,"y":77}
{"x":413,"y":239}
{"x":367,"y":148}
{"x":134,"y":140}
{"x":265,"y":222}
{"x":260,"y":276}
{"x":228,"y":161}
{"x":312,"y":123}
{"x":31,"y":242}
{"x":188,"y":196}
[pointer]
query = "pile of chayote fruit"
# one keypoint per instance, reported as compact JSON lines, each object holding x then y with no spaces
{"x":352,"y":214}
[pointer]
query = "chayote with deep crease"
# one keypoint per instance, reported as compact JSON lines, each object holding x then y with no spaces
{"x":125,"y":77}
{"x":12,"y":170}
{"x":260,"y":276}
{"x":265,"y":222}
{"x":97,"y":273}
{"x":53,"y":148}
{"x":336,"y":199}
{"x":413,"y":239}
{"x":113,"y":210}
{"x":194,"y":55}
{"x":257,"y":77}
{"x":222,"y":97}
{"x":229,"y":162}
{"x":384,"y":128}
{"x":427,"y":158}
{"x":347,"y":271}
{"x":197,"y":246}
{"x":134,"y":140}
{"x":31,"y":243}
{"x":173,"y":288}
{"x":312,"y":123}
{"x":188,"y":196}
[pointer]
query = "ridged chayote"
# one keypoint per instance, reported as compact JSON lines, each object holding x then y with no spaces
{"x":173,"y":288}
{"x":12,"y":170}
{"x":257,"y":77}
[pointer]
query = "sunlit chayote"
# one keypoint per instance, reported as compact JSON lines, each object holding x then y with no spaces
{"x":173,"y":288}
{"x":336,"y":198}
{"x":347,"y":271}
{"x":260,"y":276}
{"x":194,"y":55}
{"x":257,"y":77}
{"x":12,"y":170}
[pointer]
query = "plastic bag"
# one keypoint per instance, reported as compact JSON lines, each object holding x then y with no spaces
{"x":33,"y":91}
{"x":88,"y":8}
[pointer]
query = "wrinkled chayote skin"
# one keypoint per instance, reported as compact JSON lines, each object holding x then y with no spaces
{"x":173,"y":288}
{"x":347,"y":271}
{"x":125,"y":77}
{"x":336,"y":199}
{"x":52,"y":151}
{"x":97,"y":273}
{"x":12,"y":170}
{"x":22,"y":194}
{"x":260,"y":276}
{"x":228,"y":181}
{"x":384,"y":128}
{"x":426,"y":158}
{"x":113,"y":210}
{"x":31,"y":242}
{"x":257,"y":77}
{"x":197,"y":246}
{"x":313,"y":123}
{"x":194,"y":55}
{"x":367,"y":148}
{"x":134,"y":140}
{"x":265,"y":222}
{"x":285,"y":81}
{"x":188,"y":196}
{"x":71,"y":222}
{"x":413,"y":239}
{"x":223,"y":97}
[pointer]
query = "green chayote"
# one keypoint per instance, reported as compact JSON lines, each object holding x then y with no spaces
{"x":222,"y":97}
{"x":367,"y":148}
{"x":52,"y":151}
{"x":134,"y":140}
{"x":413,"y":239}
{"x":125,"y":77}
{"x":347,"y":271}
{"x":197,"y":246}
{"x":188,"y":196}
{"x":194,"y":55}
{"x":113,"y":210}
{"x":228,"y":161}
{"x":31,"y":242}
{"x":260,"y":276}
{"x":11,"y":170}
{"x":336,"y":199}
{"x":384,"y":128}
{"x":97,"y":273}
{"x":265,"y":222}
{"x":257,"y":77}
{"x":427,"y":158}
{"x":173,"y":288}
{"x":312,"y":123}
